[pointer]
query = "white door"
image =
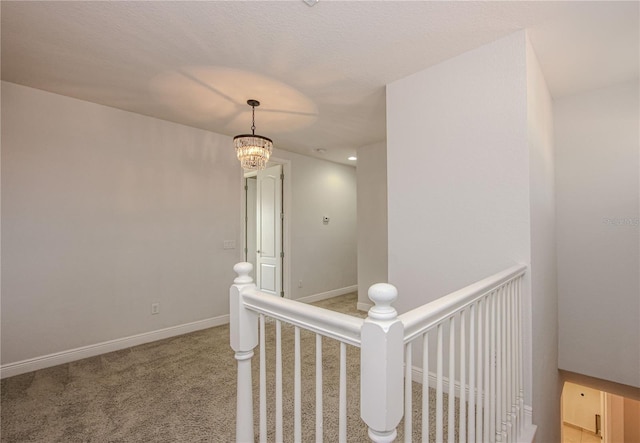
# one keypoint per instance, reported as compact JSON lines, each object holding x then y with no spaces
{"x":269,"y":227}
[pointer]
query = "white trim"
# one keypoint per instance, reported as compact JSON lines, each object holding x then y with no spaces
{"x":329,"y":294}
{"x":529,"y":429}
{"x":364,"y":307}
{"x":416,"y":376}
{"x":58,"y":358}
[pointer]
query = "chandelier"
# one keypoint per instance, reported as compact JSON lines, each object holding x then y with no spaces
{"x":253,"y":150}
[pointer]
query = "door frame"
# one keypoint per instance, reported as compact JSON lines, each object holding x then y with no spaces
{"x":286,"y":222}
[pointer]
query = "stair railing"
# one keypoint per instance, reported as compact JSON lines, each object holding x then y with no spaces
{"x":481,"y":325}
{"x":475,"y":335}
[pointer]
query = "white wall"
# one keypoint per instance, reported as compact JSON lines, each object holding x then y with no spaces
{"x":103,"y":213}
{"x":458,"y":185}
{"x":544,"y":295}
{"x":460,"y":188}
{"x":323,"y":257}
{"x":372,"y":218}
{"x":597,"y":172}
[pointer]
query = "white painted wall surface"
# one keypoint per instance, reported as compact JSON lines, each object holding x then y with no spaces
{"x":543,"y":272}
{"x":597,"y":172}
{"x":372,"y":218}
{"x":459,"y":189}
{"x":458,"y":185}
{"x":103,"y":213}
{"x":323,"y":256}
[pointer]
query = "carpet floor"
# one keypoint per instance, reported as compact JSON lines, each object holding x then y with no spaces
{"x":182,"y":389}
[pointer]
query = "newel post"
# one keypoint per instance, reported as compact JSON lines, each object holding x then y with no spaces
{"x":243,"y":326}
{"x":381,"y":363}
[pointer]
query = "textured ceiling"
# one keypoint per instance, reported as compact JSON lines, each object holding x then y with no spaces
{"x":318,"y":71}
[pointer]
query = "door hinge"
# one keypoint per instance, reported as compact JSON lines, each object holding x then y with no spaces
{"x":246,"y":188}
{"x":281,"y":176}
{"x":282,"y":216}
{"x":282,"y":255}
{"x":282,"y":294}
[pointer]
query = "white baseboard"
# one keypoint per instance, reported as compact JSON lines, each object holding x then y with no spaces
{"x":362,"y":306}
{"x":329,"y":294}
{"x":529,"y":429}
{"x":416,"y":376}
{"x":58,"y":358}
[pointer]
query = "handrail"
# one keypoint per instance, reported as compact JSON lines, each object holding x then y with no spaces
{"x":419,"y":320}
{"x":342,"y":327}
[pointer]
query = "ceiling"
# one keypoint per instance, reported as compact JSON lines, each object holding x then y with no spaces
{"x":320,"y":72}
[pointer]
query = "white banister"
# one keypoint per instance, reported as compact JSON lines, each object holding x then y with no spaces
{"x":342,"y":327}
{"x":381,"y":366}
{"x":480,"y":364}
{"x":244,"y":337}
{"x":417,"y":321}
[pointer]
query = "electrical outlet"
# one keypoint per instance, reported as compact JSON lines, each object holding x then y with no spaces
{"x":155,"y":308}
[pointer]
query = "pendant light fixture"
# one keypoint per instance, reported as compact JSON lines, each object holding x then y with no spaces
{"x":253,"y":150}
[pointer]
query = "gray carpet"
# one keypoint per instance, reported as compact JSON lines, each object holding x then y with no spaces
{"x":180,"y":389}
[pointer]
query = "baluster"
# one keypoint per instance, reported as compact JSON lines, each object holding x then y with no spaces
{"x":439,"y":393}
{"x":503,"y":363}
{"x":297,"y":389}
{"x":243,"y":331}
{"x":408,"y":404}
{"x":342,"y":420}
{"x":509,"y":360}
{"x":452,"y":381}
{"x":498,"y":364}
{"x":488,"y":435}
{"x":381,"y":360}
{"x":514,"y":362}
{"x":462,"y":406}
{"x":480,"y":356}
{"x":263,"y":383}
{"x":425,"y":388}
{"x":279,"y":431}
{"x":319,"y":412}
{"x":472,"y":373}
{"x":520,"y":367}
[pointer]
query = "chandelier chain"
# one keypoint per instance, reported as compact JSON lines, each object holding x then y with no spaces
{"x":253,"y":120}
